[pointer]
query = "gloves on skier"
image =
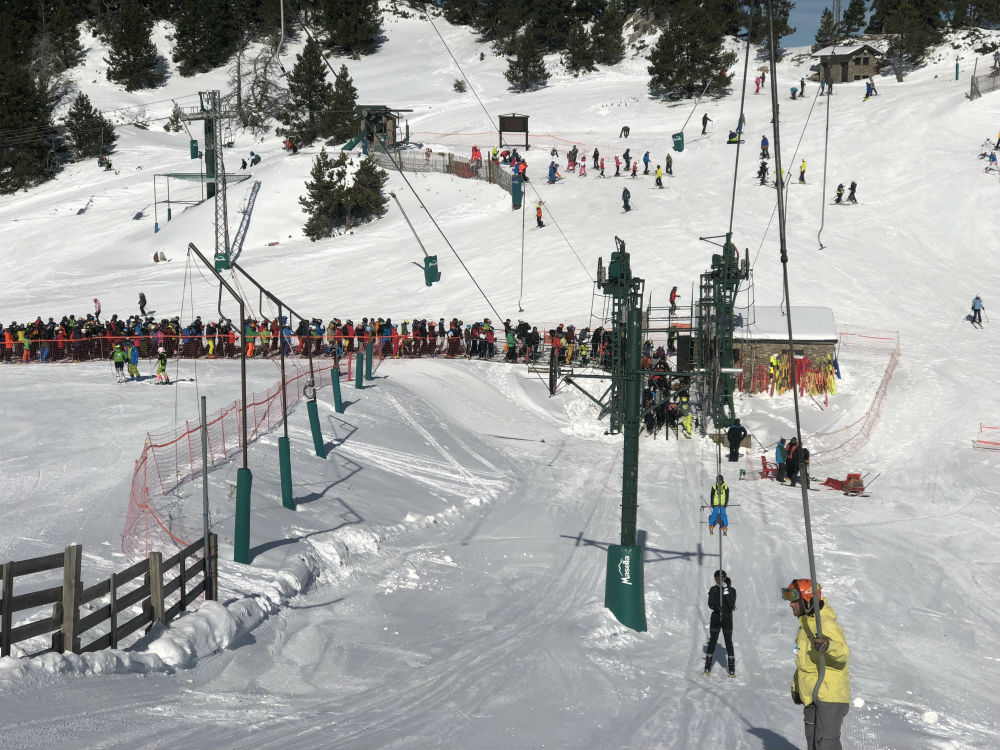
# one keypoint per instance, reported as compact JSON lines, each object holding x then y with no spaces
{"x":795,"y":697}
{"x":821,"y":643}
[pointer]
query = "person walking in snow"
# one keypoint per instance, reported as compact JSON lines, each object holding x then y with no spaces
{"x":718,"y":501}
{"x":627,"y":158}
{"x":645,"y":163}
{"x":735,"y":435}
{"x":670,"y":164}
{"x":626,"y":195}
{"x":705,"y":119}
{"x":538,"y":214}
{"x":659,"y":176}
{"x":596,"y":158}
{"x":851,"y":197}
{"x":764,"y":146}
{"x":823,"y":714}
{"x":722,"y":602}
{"x":119,"y":357}
{"x":756,"y":83}
{"x":977,"y":310}
{"x":802,"y":86}
{"x":802,"y":172}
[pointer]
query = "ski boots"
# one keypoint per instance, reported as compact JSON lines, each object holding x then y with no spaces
{"x":732,"y":667}
{"x":711,"y":531}
{"x":725,"y":532}
{"x":708,"y":664}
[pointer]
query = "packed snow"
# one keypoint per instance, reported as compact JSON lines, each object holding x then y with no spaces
{"x":441,"y":583}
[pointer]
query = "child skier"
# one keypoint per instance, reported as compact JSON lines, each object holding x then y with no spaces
{"x":762,"y":172}
{"x":583,"y":166}
{"x":133,"y":361}
{"x":764,"y":146}
{"x":118,"y":356}
{"x":718,"y":500}
{"x":659,"y":176}
{"x":635,"y":169}
{"x":602,"y":166}
{"x":161,"y":367}
{"x":840,"y":193}
{"x":538,"y":214}
{"x":645,"y":163}
{"x":618,"y":166}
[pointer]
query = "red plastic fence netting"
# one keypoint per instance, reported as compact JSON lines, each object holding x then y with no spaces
{"x":156,"y":518}
{"x":988,"y":438}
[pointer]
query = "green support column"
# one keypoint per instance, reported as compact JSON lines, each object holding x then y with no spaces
{"x":369,"y":353}
{"x":285,"y":462}
{"x":317,"y":433}
{"x":359,"y":369}
{"x":241,"y":537}
{"x":338,"y":401}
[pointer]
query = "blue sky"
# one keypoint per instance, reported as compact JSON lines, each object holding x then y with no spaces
{"x":805,"y":18}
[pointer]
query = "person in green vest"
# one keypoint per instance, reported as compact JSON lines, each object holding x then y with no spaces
{"x":161,"y":367}
{"x":719,"y":500}
{"x":118,"y":356}
{"x":264,"y":334}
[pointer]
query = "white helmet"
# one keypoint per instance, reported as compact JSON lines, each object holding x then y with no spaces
{"x":160,"y":350}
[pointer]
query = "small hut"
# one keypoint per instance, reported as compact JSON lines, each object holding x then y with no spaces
{"x":841,"y":64}
{"x":765,"y":332}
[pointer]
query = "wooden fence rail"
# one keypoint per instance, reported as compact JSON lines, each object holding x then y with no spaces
{"x":159,"y":589}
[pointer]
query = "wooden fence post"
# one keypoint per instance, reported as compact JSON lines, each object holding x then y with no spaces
{"x":5,"y":611}
{"x":114,"y":610}
{"x":71,"y":590}
{"x":156,"y":585}
{"x":213,"y":562}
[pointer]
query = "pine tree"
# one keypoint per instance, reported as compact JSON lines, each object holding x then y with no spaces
{"x":310,"y":98}
{"x":207,"y":35}
{"x":174,"y":124}
{"x":579,"y":56}
{"x":688,"y":57}
{"x":25,"y":110}
{"x":326,"y":200}
{"x":606,"y":34}
{"x":352,"y":26}
{"x":91,"y":133}
{"x":132,"y":59}
{"x":368,"y":200}
{"x":826,"y":34}
{"x":913,"y":27}
{"x":759,"y":25}
{"x":526,"y":67}
{"x":62,"y":27}
{"x":341,"y":122}
{"x":854,"y":18}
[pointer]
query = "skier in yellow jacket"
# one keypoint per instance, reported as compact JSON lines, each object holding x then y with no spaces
{"x":824,"y":713}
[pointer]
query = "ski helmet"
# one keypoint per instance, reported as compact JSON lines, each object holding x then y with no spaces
{"x":720,"y":573}
{"x":720,"y":478}
{"x":160,"y":350}
{"x":801,"y":589}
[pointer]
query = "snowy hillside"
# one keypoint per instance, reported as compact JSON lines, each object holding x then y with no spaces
{"x":441,"y":584}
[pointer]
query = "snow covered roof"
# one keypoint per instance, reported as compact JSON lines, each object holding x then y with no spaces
{"x":771,"y":324}
{"x":846,"y":50}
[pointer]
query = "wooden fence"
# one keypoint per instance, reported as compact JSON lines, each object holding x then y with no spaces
{"x":152,"y":590}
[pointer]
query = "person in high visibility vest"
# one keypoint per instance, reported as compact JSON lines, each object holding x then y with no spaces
{"x":719,"y":500}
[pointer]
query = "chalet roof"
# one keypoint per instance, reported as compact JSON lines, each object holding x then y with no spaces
{"x":771,"y":324}
{"x":846,"y":50}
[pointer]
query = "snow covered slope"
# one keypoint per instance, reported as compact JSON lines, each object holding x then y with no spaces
{"x":442,"y":581}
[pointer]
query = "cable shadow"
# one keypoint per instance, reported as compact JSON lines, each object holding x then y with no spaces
{"x":346,"y":428}
{"x":650,"y":554}
{"x":350,"y":516}
{"x":353,"y":468}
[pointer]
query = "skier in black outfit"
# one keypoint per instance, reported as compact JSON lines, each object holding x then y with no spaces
{"x":626,"y":195}
{"x":722,"y":602}
{"x":705,"y":119}
{"x":851,"y":198}
{"x":762,"y":172}
{"x":735,"y":435}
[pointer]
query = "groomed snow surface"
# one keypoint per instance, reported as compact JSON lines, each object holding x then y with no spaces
{"x":441,"y":583}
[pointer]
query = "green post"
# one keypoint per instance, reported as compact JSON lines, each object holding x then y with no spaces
{"x":338,"y":401}
{"x":285,"y":462}
{"x":359,"y":368}
{"x":241,"y":537}
{"x":678,"y":141}
{"x":633,"y":402}
{"x":313,"y":410}
{"x":623,"y":586}
{"x":369,"y":353}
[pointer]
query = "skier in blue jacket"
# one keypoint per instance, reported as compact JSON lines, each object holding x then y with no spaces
{"x":977,"y":310}
{"x":780,"y":454}
{"x":645,"y":163}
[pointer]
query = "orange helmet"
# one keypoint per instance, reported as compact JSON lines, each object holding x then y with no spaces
{"x":801,"y":589}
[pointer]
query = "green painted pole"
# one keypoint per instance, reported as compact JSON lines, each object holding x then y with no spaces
{"x":285,"y":462}
{"x":369,"y":353}
{"x":317,"y":433}
{"x":241,"y":537}
{"x":359,"y":369}
{"x":338,"y":401}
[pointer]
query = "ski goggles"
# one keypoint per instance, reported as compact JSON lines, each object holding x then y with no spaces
{"x":790,"y":594}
